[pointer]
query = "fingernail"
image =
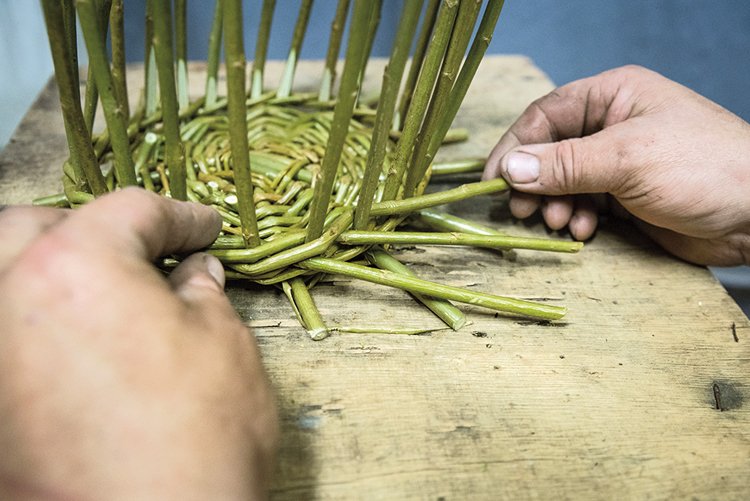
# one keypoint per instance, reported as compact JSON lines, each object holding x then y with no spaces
{"x":522,"y":168}
{"x":215,"y":269}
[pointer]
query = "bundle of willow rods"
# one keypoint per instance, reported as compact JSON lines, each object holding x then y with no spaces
{"x":307,"y":184}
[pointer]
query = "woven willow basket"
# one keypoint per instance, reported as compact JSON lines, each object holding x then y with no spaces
{"x":307,"y":184}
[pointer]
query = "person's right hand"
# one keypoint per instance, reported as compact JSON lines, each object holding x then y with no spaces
{"x":673,"y":159}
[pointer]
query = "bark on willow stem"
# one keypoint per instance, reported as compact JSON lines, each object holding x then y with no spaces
{"x":386,"y":106}
{"x":287,"y":80}
{"x":234,"y":52}
{"x":81,"y":150}
{"x":149,"y":71}
{"x":113,"y":112}
{"x":261,"y":48}
{"x":164,"y":50}
{"x":342,"y":115}
{"x":334,"y":46}
{"x":117,"y":34}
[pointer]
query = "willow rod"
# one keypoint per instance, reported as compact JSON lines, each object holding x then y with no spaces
{"x":91,"y":96}
{"x":422,"y":157}
{"x":421,"y":98}
{"x":261,"y":48}
{"x":180,"y":19}
{"x":287,"y":80}
{"x":443,"y":309}
{"x":81,"y":150}
{"x":113,"y":112}
{"x":342,"y":116}
{"x":117,"y":36}
{"x":334,"y":47}
{"x":478,"y":48}
{"x":214,"y":55}
{"x":388,"y":95}
{"x":430,"y":15}
{"x":308,"y":312}
{"x":234,"y":51}
{"x":412,"y":284}
{"x":164,"y":50}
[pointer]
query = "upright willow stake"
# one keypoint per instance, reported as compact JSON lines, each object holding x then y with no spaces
{"x":113,"y":112}
{"x":285,"y":87}
{"x":79,"y":144}
{"x":214,"y":54}
{"x":71,"y":39}
{"x":372,"y":30}
{"x":421,"y":98}
{"x":91,"y":96}
{"x":234,"y":51}
{"x":478,"y":47}
{"x":334,"y":46}
{"x":180,"y":18}
{"x":261,"y":48}
{"x":117,"y":27}
{"x":416,"y":61}
{"x":386,"y":106}
{"x":421,"y":158}
{"x":149,"y":71}
{"x":163,"y":48}
{"x":342,"y":115}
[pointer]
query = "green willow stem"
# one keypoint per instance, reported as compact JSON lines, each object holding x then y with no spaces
{"x":180,"y":18}
{"x":463,"y":166}
{"x":290,"y":257}
{"x":234,"y":52}
{"x":82,"y":156}
{"x":117,"y":27}
{"x":441,"y":221}
{"x":421,"y":99}
{"x":308,"y":312}
{"x":261,"y":49}
{"x":245,"y":256}
{"x":389,"y":93}
{"x":372,"y":30}
{"x":91,"y":97}
{"x":466,"y":239}
{"x":478,"y":48}
{"x":334,"y":46}
{"x":71,"y":38}
{"x":342,"y":116}
{"x":416,"y":62}
{"x":421,"y":158}
{"x":409,"y":205}
{"x":503,"y":304}
{"x":214,"y":55}
{"x":150,"y":84}
{"x":164,"y":49}
{"x":113,"y":112}
{"x":287,"y":80}
{"x":443,"y":309}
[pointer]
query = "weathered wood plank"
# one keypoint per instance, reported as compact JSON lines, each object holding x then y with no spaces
{"x":616,"y":401}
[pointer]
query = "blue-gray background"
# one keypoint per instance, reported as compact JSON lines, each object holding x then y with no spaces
{"x":704,"y":44}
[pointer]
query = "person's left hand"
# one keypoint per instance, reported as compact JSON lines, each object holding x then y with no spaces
{"x":116,"y":382}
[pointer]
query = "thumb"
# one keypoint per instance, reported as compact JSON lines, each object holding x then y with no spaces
{"x":591,"y":164}
{"x":199,"y":282}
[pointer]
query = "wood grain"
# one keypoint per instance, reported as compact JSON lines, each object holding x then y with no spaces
{"x":619,"y":400}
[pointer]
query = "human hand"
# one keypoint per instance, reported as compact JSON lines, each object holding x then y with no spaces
{"x":116,"y":382}
{"x":677,"y":162}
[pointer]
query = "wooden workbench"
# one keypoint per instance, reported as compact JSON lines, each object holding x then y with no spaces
{"x":616,"y":401}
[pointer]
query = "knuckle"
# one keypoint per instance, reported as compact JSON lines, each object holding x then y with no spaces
{"x":565,"y":172}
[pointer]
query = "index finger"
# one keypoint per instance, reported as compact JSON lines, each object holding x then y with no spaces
{"x":135,"y":221}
